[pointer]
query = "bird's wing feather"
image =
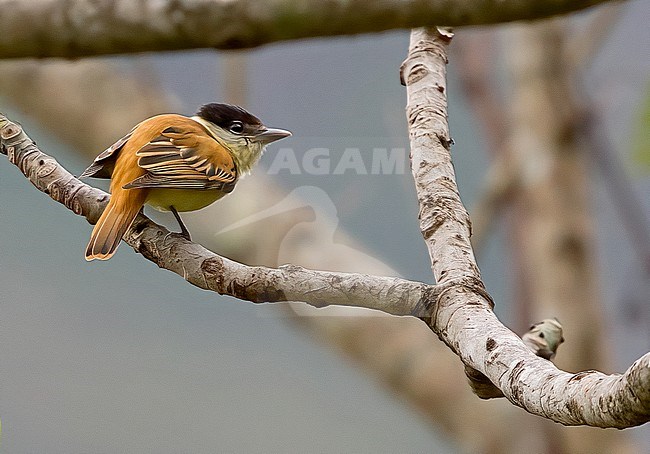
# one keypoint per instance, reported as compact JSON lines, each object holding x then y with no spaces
{"x":185,"y":156}
{"x":102,"y":166}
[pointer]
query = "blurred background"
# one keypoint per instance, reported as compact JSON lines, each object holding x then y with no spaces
{"x":552,"y":154}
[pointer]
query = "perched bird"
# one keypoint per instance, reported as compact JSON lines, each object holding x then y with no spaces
{"x":175,"y":163}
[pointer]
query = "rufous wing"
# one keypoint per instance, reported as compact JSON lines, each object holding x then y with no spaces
{"x":185,"y":157}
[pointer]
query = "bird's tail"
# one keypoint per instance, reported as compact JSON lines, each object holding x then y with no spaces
{"x":113,"y":223}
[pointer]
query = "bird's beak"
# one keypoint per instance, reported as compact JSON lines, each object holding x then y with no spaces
{"x":271,"y":135}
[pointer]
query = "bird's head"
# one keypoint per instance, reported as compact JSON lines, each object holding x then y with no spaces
{"x":241,"y":132}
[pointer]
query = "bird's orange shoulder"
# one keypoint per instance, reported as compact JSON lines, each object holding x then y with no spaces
{"x":153,"y":127}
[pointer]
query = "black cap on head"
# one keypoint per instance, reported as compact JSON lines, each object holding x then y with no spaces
{"x":223,"y":115}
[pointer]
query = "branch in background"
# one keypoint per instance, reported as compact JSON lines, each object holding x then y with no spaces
{"x":502,"y":181}
{"x":409,"y":360}
{"x":463,"y":317}
{"x":621,"y":190}
{"x":579,"y":51}
{"x":60,"y":28}
{"x":578,"y":54}
{"x":474,"y":57}
{"x":64,"y":98}
{"x":202,"y":267}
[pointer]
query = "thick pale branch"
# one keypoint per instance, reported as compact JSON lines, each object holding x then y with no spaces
{"x":206,"y":269}
{"x":443,"y":218}
{"x":463,"y":316}
{"x":60,"y":28}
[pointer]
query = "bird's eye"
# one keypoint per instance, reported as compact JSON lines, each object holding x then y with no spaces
{"x":236,"y":127}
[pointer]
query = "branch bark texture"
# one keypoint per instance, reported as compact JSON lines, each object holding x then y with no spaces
{"x":463,"y":316}
{"x":60,"y":28}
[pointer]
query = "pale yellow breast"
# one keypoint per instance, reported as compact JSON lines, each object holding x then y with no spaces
{"x":182,"y":199}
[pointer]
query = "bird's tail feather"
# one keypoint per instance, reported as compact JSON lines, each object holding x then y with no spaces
{"x":111,"y":226}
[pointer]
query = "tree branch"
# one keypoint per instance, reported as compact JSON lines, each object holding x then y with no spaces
{"x":463,"y":316}
{"x":206,"y":269}
{"x":60,"y":28}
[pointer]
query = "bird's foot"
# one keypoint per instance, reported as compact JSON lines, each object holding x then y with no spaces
{"x":184,"y":232}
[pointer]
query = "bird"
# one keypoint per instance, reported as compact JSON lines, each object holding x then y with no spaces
{"x":175,"y":163}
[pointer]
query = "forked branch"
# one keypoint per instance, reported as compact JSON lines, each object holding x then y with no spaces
{"x":463,"y":316}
